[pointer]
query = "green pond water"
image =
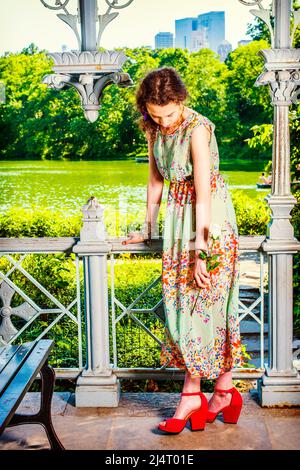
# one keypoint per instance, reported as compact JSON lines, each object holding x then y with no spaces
{"x":118,"y":185}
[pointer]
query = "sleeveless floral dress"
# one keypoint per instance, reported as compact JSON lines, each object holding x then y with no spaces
{"x":201,"y":331}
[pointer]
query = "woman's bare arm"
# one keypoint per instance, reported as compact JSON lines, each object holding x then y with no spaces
{"x":201,"y":162}
{"x":154,"y":189}
{"x":154,"y":194}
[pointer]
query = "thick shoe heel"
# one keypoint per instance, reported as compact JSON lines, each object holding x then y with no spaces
{"x":231,"y":414}
{"x":197,"y":421}
{"x":198,"y":418}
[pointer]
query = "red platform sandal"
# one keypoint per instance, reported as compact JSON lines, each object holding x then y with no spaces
{"x":231,"y":412}
{"x":197,"y":418}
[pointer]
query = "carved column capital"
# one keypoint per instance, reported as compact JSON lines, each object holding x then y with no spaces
{"x":89,"y":72}
{"x":282,"y":74}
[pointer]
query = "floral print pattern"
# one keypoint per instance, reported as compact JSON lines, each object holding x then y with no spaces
{"x":201,"y":332}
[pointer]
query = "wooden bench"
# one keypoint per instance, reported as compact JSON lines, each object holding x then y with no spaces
{"x":19,"y":367}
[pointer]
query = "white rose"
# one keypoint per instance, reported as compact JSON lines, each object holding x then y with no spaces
{"x":215,"y":230}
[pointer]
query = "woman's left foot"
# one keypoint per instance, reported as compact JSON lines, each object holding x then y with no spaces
{"x":227,"y":401}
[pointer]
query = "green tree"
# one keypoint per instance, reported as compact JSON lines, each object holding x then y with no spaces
{"x":246,"y":104}
{"x":206,"y":80}
{"x":174,"y":57}
{"x":42,"y":123}
{"x":261,"y":140}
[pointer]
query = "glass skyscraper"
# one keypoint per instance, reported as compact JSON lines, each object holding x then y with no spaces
{"x":183,"y":32}
{"x":213,"y":26}
{"x":207,"y":30}
{"x":164,"y":40}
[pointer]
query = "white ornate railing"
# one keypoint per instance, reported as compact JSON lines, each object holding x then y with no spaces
{"x":248,"y":244}
{"x":31,"y":312}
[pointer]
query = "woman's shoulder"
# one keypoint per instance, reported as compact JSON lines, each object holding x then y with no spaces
{"x":197,"y":119}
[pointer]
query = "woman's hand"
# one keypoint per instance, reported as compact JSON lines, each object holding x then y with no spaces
{"x":134,"y":237}
{"x":201,"y":275}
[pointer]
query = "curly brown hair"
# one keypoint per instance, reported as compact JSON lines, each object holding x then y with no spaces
{"x":160,"y":87}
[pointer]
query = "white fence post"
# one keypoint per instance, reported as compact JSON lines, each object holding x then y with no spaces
{"x":280,"y":384}
{"x":97,"y":386}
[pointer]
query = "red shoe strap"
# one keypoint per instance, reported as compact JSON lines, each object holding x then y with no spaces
{"x":225,"y":391}
{"x":193,"y":393}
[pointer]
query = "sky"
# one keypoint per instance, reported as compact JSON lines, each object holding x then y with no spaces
{"x":25,"y":21}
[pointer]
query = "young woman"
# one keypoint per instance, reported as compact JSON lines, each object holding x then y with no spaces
{"x":200,"y":250}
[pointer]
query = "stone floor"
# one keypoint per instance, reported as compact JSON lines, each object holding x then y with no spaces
{"x":133,"y":425}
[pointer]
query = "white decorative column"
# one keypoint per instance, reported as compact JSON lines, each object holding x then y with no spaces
{"x":97,"y":386}
{"x":280,"y":384}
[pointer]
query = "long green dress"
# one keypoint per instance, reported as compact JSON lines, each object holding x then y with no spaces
{"x":201,"y":327}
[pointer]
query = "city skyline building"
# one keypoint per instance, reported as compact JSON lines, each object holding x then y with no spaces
{"x":199,"y":41}
{"x":183,"y":32}
{"x":224,"y":49}
{"x":244,"y":42}
{"x":207,"y":30}
{"x":164,"y":40}
{"x":212,"y":24}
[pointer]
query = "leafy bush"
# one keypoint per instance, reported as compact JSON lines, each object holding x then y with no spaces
{"x":252,"y":219}
{"x":252,"y":215}
{"x":18,"y":222}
